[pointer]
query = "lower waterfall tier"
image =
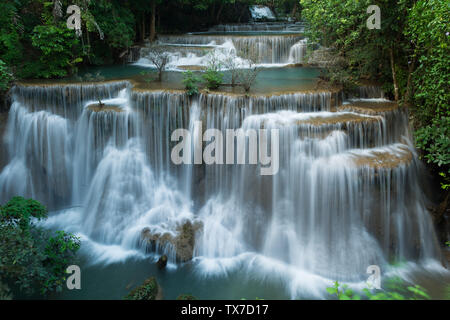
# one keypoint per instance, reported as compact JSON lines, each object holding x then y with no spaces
{"x":347,"y":194}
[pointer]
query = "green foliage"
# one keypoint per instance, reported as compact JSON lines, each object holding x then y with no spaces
{"x":60,"y":50}
{"x":19,"y":212}
{"x":395,"y":290}
{"x":117,"y":21}
{"x":341,"y":26}
{"x":428,"y":31}
{"x":434,"y":140}
{"x":213,"y":78}
{"x":60,"y":252}
{"x":5,"y":76}
{"x":342,"y":292}
{"x":411,"y":52}
{"x":147,"y":291}
{"x":190,"y":81}
{"x":30,"y":258}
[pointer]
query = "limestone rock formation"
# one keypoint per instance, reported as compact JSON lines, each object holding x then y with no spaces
{"x":183,"y":243}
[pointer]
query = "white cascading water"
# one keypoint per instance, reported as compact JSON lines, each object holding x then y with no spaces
{"x":195,"y":49}
{"x":261,"y":13}
{"x":347,"y":194}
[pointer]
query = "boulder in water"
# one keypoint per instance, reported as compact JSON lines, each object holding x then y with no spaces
{"x":162,"y":262}
{"x":183,"y":242}
{"x":149,"y":290}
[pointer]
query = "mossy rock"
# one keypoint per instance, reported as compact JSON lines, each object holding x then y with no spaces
{"x":186,"y":297}
{"x":147,"y":291}
{"x":162,"y":262}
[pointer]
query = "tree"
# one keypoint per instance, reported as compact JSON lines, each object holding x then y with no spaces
{"x":247,"y":76}
{"x":428,"y":88}
{"x":60,"y":50}
{"x":159,"y":57}
{"x":213,"y":76}
{"x":30,"y":257}
{"x":5,"y":76}
{"x":240,"y":75}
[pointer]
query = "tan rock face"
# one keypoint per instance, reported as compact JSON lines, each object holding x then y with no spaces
{"x":384,"y":160}
{"x":104,"y":108}
{"x":192,"y":68}
{"x":370,"y":107}
{"x":183,"y":242}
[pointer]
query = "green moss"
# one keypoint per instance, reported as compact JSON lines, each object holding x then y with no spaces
{"x":147,"y":291}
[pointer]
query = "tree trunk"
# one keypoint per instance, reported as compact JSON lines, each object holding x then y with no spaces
{"x":213,"y":10}
{"x":143,"y":27}
{"x":153,"y":22}
{"x":88,"y":45}
{"x":219,"y":13}
{"x":411,"y":68}
{"x":294,"y":10}
{"x":394,"y":74}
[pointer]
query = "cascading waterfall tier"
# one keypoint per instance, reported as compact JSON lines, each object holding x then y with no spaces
{"x":347,"y":194}
{"x":195,"y":49}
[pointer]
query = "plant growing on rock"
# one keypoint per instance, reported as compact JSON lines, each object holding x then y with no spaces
{"x":147,"y":291}
{"x":190,"y":81}
{"x":240,"y":76}
{"x":212,"y":76}
{"x":247,"y":76}
{"x":5,"y":76}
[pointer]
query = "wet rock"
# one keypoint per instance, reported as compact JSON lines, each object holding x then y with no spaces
{"x":162,"y":262}
{"x":101,"y":107}
{"x":183,"y":243}
{"x":149,"y":290}
{"x":186,"y":297}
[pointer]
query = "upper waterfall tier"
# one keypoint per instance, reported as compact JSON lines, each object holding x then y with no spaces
{"x":265,"y":49}
{"x":260,"y":26}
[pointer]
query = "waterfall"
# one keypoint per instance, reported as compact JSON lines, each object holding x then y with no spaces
{"x":259,"y":26}
{"x":267,"y":50}
{"x":261,"y":13}
{"x":347,"y":194}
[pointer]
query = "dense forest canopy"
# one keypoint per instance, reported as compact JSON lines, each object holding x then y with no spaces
{"x":35,"y":41}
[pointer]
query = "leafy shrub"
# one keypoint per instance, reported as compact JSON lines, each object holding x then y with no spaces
{"x":434,"y":140}
{"x":147,"y":291}
{"x":30,"y":257}
{"x":60,"y":50}
{"x":428,"y":31}
{"x":5,"y":76}
{"x":190,"y":81}
{"x":213,"y":78}
{"x":395,"y":290}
